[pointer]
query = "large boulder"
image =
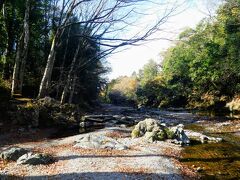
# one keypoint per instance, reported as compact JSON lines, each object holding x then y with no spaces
{"x":148,"y":125}
{"x":13,"y":153}
{"x":99,"y":142}
{"x":155,"y":136}
{"x":152,"y":130}
{"x":34,"y":159}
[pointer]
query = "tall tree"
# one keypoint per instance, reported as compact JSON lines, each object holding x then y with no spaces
{"x":11,"y":19}
{"x":103,"y":18}
{"x":22,"y":53}
{"x":149,"y":71}
{"x":1,"y":4}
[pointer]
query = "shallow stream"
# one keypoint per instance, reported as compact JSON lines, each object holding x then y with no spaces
{"x":215,"y":160}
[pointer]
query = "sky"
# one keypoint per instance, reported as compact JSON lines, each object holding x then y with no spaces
{"x":133,"y":59}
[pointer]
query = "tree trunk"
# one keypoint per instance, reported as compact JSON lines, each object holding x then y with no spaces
{"x":21,"y":56}
{"x":46,"y":31}
{"x":66,"y":87}
{"x":63,"y":63}
{"x":48,"y":70}
{"x":26,"y":45}
{"x":15,"y":80}
{"x":72,"y":89}
{"x":4,"y":74}
{"x":1,"y":4}
{"x":9,"y":26}
{"x":51,"y":57}
{"x":7,"y":69}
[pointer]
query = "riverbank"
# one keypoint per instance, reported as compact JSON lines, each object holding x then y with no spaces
{"x":140,"y":160}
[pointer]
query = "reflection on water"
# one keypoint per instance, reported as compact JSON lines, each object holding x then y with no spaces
{"x":218,"y":114}
{"x":217,"y":160}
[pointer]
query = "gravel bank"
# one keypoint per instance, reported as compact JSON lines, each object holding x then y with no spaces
{"x":141,"y":161}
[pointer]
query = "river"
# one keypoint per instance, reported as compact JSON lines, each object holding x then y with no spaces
{"x":213,"y":160}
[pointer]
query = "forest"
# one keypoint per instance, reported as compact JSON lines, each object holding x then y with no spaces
{"x":200,"y":71}
{"x":54,"y":49}
{"x":58,"y":49}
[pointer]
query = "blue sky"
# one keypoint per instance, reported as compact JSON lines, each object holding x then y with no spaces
{"x":132,"y":59}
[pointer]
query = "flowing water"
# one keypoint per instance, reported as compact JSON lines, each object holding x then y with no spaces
{"x":215,"y":160}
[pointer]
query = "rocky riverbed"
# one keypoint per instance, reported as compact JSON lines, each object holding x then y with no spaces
{"x":131,"y":159}
{"x":111,"y":152}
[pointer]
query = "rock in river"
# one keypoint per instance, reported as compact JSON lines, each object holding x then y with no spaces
{"x":197,"y":136}
{"x":152,"y":130}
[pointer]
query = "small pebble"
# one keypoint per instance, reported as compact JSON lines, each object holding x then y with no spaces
{"x":199,"y":169}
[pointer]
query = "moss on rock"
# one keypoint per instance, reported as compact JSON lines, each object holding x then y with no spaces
{"x":161,"y":135}
{"x":170,"y":134}
{"x":135,"y":133}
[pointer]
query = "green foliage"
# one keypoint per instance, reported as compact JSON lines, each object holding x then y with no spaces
{"x":151,"y":93}
{"x":149,"y":71}
{"x":201,"y":70}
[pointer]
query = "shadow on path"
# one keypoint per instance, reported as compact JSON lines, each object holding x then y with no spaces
{"x":98,"y":176}
{"x":62,"y":158}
